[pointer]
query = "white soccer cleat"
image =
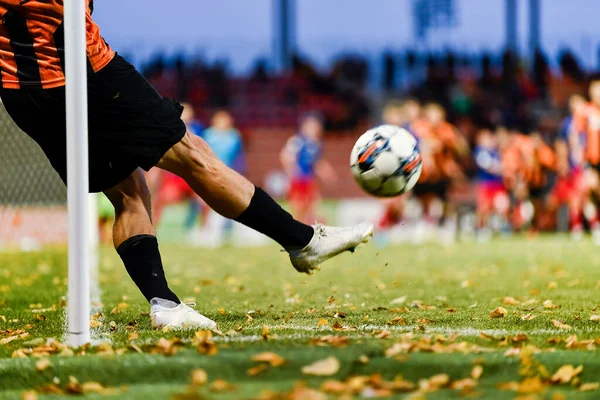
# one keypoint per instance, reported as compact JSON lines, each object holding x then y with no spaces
{"x":328,"y":242}
{"x":167,"y":314}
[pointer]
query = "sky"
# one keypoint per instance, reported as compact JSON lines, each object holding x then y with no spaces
{"x":241,"y":30}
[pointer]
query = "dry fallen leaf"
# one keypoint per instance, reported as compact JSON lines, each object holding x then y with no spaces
{"x":166,"y":347}
{"x":333,"y":386}
{"x":95,"y":387}
{"x":330,"y":340}
{"x":120,"y":307}
{"x":221,"y":385}
{"x":257,"y":369}
{"x":397,"y":321}
{"x":29,"y":395}
{"x":531,"y":385}
{"x":274,"y":359}
{"x":548,"y":304}
{"x":499,"y":312}
{"x":304,"y":393}
{"x":337,"y":326}
{"x":322,"y":322}
{"x":595,"y":318}
{"x":510,"y":301}
{"x":560,"y":325}
{"x":528,"y":317}
{"x":42,"y":364}
{"x":566,"y":373}
{"x":434,"y":383}
{"x":266,"y":332}
{"x":588,"y":387}
{"x":199,"y":377}
{"x":204,"y":343}
{"x":465,"y":385}
{"x":95,"y":324}
{"x":514,"y":386}
{"x":74,"y":386}
{"x":477,"y":372}
{"x":326,"y":367}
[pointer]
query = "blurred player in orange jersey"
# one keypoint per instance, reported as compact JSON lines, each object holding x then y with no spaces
{"x":443,"y":150}
{"x":302,"y":161}
{"x":531,"y":161}
{"x":587,"y":119}
{"x":492,"y":198}
{"x":571,"y":187}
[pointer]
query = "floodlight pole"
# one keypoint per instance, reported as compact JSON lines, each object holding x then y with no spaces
{"x":77,"y":172}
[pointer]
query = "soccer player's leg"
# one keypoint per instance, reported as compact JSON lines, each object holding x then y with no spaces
{"x":234,"y":197}
{"x":134,"y":238}
{"x":484,"y":207}
{"x":303,"y":198}
{"x":393,"y":211}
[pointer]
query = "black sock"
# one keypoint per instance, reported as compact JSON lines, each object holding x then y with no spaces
{"x":267,"y":217}
{"x":142,"y":260}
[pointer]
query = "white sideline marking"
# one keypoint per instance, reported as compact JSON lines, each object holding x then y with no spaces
{"x":302,"y":332}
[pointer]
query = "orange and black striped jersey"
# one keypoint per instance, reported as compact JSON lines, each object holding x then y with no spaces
{"x":32,"y":44}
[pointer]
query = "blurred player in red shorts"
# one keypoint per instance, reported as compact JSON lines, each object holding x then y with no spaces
{"x":492,"y":198}
{"x":302,"y":161}
{"x":571,"y":188}
{"x":587,"y":119}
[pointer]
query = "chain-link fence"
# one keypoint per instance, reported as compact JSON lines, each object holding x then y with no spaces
{"x":32,"y":196}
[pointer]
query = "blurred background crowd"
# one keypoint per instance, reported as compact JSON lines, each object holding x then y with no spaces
{"x":508,"y":143}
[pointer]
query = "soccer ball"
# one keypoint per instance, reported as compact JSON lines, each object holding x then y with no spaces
{"x":386,"y":161}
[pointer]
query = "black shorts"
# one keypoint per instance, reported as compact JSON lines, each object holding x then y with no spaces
{"x":130,"y":124}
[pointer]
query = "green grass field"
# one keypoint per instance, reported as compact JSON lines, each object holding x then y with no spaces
{"x":405,"y":322}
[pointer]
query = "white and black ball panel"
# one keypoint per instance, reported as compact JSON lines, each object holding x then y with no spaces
{"x":402,"y":144}
{"x":393,"y":186}
{"x":386,"y":161}
{"x":370,"y":180}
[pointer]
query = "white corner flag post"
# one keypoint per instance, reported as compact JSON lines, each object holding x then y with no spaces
{"x":77,"y":172}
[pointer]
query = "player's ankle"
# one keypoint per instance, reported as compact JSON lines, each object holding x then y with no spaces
{"x":142,"y":260}
{"x":267,"y":217}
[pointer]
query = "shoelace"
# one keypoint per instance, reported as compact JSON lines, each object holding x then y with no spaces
{"x":320,"y":229}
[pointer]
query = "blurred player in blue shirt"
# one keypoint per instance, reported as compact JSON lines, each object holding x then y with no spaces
{"x":302,"y":161}
{"x":226,"y":142}
{"x":491,"y":194}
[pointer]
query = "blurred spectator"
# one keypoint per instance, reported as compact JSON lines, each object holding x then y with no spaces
{"x":225,"y":140}
{"x":302,"y":160}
